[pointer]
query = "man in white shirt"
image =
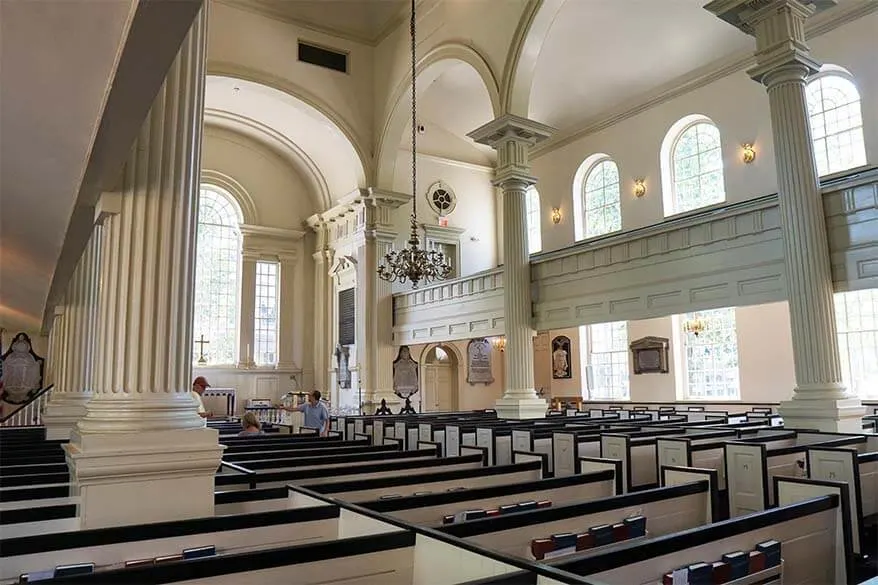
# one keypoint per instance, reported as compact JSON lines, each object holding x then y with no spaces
{"x":198,"y":387}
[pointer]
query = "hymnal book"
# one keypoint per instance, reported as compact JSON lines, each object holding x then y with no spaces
{"x":456,"y":489}
{"x":603,"y":534}
{"x":564,"y":540}
{"x":199,"y":552}
{"x":168,"y":558}
{"x":584,"y":541}
{"x":722,"y":573}
{"x":448,"y":519}
{"x":77,"y":569}
{"x":524,"y":506}
{"x":700,"y":574}
{"x":771,"y":550}
{"x":757,"y":561}
{"x":508,"y":508}
{"x":390,"y":496}
{"x":494,"y":512}
{"x":680,"y":576}
{"x":139,"y":563}
{"x":636,"y":526}
{"x":540,"y":546}
{"x":620,"y":532}
{"x":739,"y":563}
{"x":544,"y":504}
{"x":474,"y":514}
{"x":667,"y":579}
{"x":36,"y":576}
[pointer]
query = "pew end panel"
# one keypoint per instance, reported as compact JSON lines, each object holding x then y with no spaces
{"x":841,"y":465}
{"x":618,"y":447}
{"x":746,"y":477}
{"x":594,"y":464}
{"x":543,"y":458}
{"x":472,"y":450}
{"x":671,"y":475}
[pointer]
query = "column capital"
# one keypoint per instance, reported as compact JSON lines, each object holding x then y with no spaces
{"x":288,"y":257}
{"x":109,"y":204}
{"x":512,"y":137}
{"x":58,"y":311}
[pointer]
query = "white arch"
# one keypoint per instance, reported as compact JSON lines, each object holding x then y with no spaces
{"x":578,"y":185}
{"x":666,"y":154}
{"x":427,"y":69}
{"x":235,"y":190}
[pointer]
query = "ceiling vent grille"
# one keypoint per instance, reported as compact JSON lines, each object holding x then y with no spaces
{"x":321,"y":57}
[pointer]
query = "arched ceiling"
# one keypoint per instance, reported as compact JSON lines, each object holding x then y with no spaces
{"x":450,"y":105}
{"x":600,"y":54}
{"x":316,"y":137}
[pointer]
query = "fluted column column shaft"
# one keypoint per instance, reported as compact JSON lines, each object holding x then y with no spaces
{"x":806,"y":246}
{"x":383,"y":328}
{"x":287,"y":306}
{"x":147,"y":271}
{"x":516,"y":292}
{"x":246,"y":349}
{"x":53,"y":359}
{"x":321,"y":322}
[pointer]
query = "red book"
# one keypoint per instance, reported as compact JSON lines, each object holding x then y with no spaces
{"x":540,"y":546}
{"x":620,"y":532}
{"x":494,"y":512}
{"x":722,"y":573}
{"x":544,"y":504}
{"x":667,"y":579}
{"x":757,"y":561}
{"x":584,"y":541}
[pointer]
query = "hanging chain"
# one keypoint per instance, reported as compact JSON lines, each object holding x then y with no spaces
{"x":414,"y":127}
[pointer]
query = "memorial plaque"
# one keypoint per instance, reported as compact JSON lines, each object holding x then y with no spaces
{"x":405,"y":373}
{"x":347,"y":329}
{"x":650,"y":355}
{"x":561,"y":358}
{"x":478,"y":362}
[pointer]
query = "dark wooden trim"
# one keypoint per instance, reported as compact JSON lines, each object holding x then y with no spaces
{"x":333,"y":459}
{"x":37,"y":514}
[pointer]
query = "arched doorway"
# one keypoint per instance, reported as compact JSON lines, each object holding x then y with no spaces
{"x":439,"y":380}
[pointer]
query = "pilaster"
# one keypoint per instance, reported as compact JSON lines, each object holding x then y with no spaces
{"x":783,"y":65}
{"x":288,"y":308}
{"x":322,"y":256}
{"x":246,"y":344}
{"x":513,"y":137}
{"x":142,"y":453}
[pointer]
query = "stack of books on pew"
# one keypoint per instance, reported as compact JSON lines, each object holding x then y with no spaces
{"x":605,"y":534}
{"x":505,"y":509}
{"x":757,"y":566}
{"x":395,"y":496}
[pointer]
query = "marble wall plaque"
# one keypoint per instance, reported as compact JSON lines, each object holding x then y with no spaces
{"x":478,"y":362}
{"x":405,"y":373}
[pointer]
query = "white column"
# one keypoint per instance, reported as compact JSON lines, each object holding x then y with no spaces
{"x":52,"y":357}
{"x":322,"y":301}
{"x":287,"y":303}
{"x":141,"y":453}
{"x":513,"y":137}
{"x":74,"y":382}
{"x":246,"y":347}
{"x":783,"y":65}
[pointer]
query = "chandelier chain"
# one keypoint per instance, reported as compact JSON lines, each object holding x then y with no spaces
{"x":413,"y":35}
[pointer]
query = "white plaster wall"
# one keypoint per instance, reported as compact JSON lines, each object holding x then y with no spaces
{"x":475,"y":211}
{"x":243,"y":40}
{"x":739,"y":107}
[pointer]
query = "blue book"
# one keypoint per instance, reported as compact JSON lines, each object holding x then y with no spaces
{"x":603,"y":534}
{"x":700,"y":574}
{"x":36,"y":576}
{"x":523,"y":506}
{"x":77,"y":569}
{"x":200,"y":552}
{"x":564,"y":540}
{"x":771,"y":550}
{"x":636,"y":526}
{"x":739,"y":562}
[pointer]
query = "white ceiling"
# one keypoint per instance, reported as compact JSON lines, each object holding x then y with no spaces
{"x":599,"y":54}
{"x":58,"y":59}
{"x":318,"y":138}
{"x":449,"y":107}
{"x":361,"y":20}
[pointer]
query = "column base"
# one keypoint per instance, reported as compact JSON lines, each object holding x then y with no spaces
{"x":823,"y":413}
{"x":137,"y":478}
{"x":520,"y":408}
{"x":63,"y":412}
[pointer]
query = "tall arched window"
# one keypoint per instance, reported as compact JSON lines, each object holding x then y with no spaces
{"x":217,"y":276}
{"x":601,"y":204}
{"x":711,"y":356}
{"x":692,"y":166}
{"x":836,"y":123}
{"x":532,"y":213}
{"x":856,"y":316}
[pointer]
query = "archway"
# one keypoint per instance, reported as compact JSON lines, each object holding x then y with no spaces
{"x":439,"y":379}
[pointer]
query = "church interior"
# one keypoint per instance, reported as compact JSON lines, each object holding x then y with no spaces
{"x":433,"y":292}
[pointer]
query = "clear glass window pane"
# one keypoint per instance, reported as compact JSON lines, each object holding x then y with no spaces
{"x":712,"y":357}
{"x":601,"y":200}
{"x":265,"y":330}
{"x":697,"y":168}
{"x":217,"y":277}
{"x":836,"y":124}
{"x":856,"y":316}
{"x":532,"y":212}
{"x":608,"y":359}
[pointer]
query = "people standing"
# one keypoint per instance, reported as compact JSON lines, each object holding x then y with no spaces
{"x":199,"y":385}
{"x":316,"y":415}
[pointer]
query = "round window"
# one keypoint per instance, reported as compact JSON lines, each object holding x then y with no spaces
{"x":441,"y":199}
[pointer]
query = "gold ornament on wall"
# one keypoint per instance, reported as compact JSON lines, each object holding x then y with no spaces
{"x":556,"y":215}
{"x":748,"y":154}
{"x":639,"y":187}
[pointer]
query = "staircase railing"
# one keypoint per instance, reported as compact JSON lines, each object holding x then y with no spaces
{"x":29,"y":414}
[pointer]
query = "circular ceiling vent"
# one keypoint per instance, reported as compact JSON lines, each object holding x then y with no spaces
{"x":441,"y":198}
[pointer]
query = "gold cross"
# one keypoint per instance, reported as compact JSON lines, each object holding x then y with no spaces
{"x":202,"y":342}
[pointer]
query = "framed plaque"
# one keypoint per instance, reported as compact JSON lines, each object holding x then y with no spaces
{"x":650,"y":355}
{"x":561,"y":358}
{"x":478,"y":362}
{"x":405,"y":373}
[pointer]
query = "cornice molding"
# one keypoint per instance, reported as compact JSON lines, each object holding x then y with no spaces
{"x":271,"y":232}
{"x":818,"y":26}
{"x":451,"y":161}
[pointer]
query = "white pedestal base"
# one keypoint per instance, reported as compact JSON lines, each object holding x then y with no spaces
{"x":143,"y":477}
{"x":520,"y":408}
{"x":838,"y":415}
{"x":62,"y":413}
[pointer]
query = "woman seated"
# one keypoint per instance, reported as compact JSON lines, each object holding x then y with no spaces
{"x":251,"y":425}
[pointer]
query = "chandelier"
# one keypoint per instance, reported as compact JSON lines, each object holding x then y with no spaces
{"x":413,"y":263}
{"x":695,"y":326}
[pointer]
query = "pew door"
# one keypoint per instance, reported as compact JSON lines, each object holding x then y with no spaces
{"x":746,"y":478}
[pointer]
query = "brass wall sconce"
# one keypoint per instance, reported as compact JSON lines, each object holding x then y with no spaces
{"x":556,"y":215}
{"x":639,"y":187}
{"x":748,"y":153}
{"x":499,"y":343}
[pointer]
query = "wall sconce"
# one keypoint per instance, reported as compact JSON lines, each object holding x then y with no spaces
{"x":695,"y":326}
{"x":748,"y":153}
{"x":639,"y":187}
{"x":556,"y":215}
{"x":499,"y":343}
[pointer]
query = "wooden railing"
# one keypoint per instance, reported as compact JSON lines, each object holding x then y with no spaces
{"x":29,"y":414}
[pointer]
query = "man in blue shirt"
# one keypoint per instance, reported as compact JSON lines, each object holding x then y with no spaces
{"x":316,"y":416}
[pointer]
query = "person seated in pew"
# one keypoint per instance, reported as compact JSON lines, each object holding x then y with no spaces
{"x":316,"y":415}
{"x":199,"y":385}
{"x":251,"y":425}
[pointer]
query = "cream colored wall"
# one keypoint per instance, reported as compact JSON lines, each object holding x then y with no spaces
{"x":765,"y":357}
{"x":543,"y":365}
{"x":739,"y":107}
{"x":250,"y":44}
{"x":281,"y":200}
{"x":475,"y":211}
{"x":470,"y":396}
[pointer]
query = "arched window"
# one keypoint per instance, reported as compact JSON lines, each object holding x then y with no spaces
{"x":711,"y":356}
{"x":856,"y":315}
{"x":692,"y":166}
{"x":601,"y":205}
{"x":532,"y":213}
{"x":217,"y":276}
{"x":836,"y":123}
